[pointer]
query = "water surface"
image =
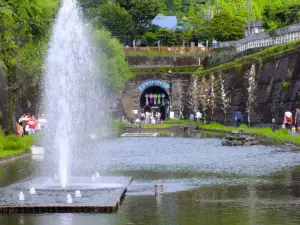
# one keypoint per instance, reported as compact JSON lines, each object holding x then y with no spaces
{"x":204,"y":183}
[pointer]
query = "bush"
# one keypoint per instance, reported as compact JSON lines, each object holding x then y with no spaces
{"x":285,"y":84}
{"x":119,"y":126}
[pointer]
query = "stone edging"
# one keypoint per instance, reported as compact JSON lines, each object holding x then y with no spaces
{"x":14,"y":157}
{"x":261,"y":137}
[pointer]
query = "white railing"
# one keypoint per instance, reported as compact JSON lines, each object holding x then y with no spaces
{"x":263,"y":39}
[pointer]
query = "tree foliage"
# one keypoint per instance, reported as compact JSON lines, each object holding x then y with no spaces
{"x":280,"y":16}
{"x":224,"y":27}
{"x":115,"y":18}
{"x":115,"y":70}
{"x":24,"y":26}
{"x":143,"y":11}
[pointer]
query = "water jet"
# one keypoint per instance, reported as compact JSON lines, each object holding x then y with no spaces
{"x":32,"y":191}
{"x":78,"y":194}
{"x":21,"y":196}
{"x":69,"y":199}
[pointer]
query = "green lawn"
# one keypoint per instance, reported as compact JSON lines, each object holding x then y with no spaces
{"x":167,"y":124}
{"x":13,"y":145}
{"x":281,"y":135}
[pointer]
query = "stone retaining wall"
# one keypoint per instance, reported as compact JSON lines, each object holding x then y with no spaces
{"x":150,"y":61}
{"x":273,"y":95}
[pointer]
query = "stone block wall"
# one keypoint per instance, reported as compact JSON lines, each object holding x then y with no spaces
{"x":278,"y":89}
{"x":151,"y":61}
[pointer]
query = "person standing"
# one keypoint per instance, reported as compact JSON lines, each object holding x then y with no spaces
{"x":198,"y":116}
{"x":143,"y":118}
{"x":287,"y":120}
{"x":297,"y":119}
{"x":158,"y":117}
{"x":238,"y":116}
{"x":192,"y":117}
{"x":31,"y":125}
{"x":19,"y":129}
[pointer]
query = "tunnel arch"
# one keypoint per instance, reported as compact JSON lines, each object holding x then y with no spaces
{"x":158,"y":104}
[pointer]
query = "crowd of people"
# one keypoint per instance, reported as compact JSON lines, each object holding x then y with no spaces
{"x":290,"y":123}
{"x":148,"y":118}
{"x":28,"y":124}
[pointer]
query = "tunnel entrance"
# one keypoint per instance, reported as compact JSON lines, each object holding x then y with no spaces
{"x":155,"y":99}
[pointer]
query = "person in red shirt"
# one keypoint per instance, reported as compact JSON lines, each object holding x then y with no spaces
{"x":31,"y":125}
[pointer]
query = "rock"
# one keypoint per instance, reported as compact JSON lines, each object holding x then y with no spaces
{"x":239,"y":140}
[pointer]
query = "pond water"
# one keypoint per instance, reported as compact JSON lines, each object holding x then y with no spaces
{"x":204,"y":182}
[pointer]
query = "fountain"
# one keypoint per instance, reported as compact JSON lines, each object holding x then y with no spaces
{"x":69,"y":199}
{"x":32,"y":191}
{"x":78,"y":194}
{"x":74,"y":102}
{"x":56,"y":177}
{"x":73,"y":91}
{"x":21,"y":196}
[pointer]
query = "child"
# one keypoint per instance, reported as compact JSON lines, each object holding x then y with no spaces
{"x":20,"y":129}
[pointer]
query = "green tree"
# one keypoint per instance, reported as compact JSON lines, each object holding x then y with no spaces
{"x":21,"y":23}
{"x":224,"y":27}
{"x":87,"y":4}
{"x":112,"y":59}
{"x":143,"y":11}
{"x":126,"y":4}
{"x":167,"y":37}
{"x":150,"y":38}
{"x":279,"y":16}
{"x":116,"y":19}
{"x":177,"y":5}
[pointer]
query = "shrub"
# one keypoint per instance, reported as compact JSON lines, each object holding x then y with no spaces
{"x":285,"y":84}
{"x":119,"y":126}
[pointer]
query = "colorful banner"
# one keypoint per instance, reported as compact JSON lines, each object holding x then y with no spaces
{"x":149,"y":83}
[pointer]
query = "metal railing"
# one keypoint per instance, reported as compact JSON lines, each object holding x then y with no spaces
{"x":282,"y":35}
{"x":164,"y":50}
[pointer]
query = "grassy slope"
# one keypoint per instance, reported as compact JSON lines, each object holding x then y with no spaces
{"x":258,"y":58}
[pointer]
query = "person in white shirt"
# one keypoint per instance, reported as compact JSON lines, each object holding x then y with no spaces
{"x":198,"y":116}
{"x":138,"y":123}
{"x":287,"y":120}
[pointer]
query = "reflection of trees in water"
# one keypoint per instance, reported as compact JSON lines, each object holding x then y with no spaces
{"x":15,"y":171}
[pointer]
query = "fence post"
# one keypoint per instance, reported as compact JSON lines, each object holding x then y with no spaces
{"x":273,"y":125}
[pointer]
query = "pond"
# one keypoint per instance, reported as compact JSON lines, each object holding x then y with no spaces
{"x":204,"y":182}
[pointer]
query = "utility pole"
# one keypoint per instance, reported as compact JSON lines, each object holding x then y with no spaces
{"x":248,"y":4}
{"x":217,"y":6}
{"x":209,"y":10}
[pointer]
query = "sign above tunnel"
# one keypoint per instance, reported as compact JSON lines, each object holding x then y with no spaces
{"x":149,"y":83}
